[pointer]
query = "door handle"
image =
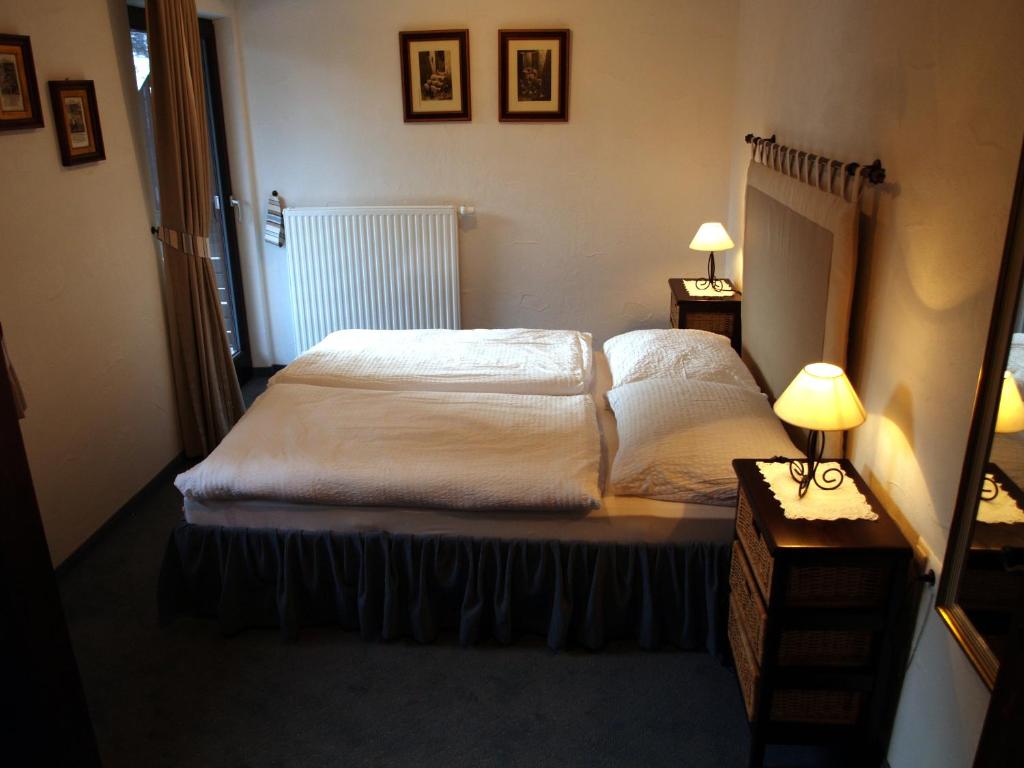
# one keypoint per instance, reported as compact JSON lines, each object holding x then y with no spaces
{"x":237,"y":206}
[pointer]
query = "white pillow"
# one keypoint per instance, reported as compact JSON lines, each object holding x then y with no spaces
{"x":679,"y":354}
{"x":677,"y":438}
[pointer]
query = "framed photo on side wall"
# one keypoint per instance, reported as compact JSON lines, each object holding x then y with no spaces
{"x":435,"y":75}
{"x":77,"y":121}
{"x":533,"y":75}
{"x":19,"y":91}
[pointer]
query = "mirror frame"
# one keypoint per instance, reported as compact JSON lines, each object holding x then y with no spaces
{"x":979,"y":441}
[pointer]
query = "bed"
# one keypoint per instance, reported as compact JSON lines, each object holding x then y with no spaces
{"x":580,"y":574}
{"x":644,"y":557}
{"x":625,"y":519}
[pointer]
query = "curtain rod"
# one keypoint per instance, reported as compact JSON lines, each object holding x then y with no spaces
{"x":874,"y":173}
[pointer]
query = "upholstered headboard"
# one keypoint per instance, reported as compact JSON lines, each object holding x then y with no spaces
{"x":799,"y":267}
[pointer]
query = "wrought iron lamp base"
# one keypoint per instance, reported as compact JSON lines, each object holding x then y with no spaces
{"x":712,"y":282}
{"x":806,"y":472}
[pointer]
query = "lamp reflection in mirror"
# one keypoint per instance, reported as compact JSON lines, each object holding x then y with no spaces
{"x":1009,"y":419}
{"x":711,"y":237}
{"x":820,"y":399}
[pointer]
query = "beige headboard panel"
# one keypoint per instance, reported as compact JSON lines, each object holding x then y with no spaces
{"x":799,"y":267}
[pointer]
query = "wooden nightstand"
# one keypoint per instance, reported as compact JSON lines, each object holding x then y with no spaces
{"x":989,"y":593}
{"x":716,"y":314}
{"x":817,"y":622}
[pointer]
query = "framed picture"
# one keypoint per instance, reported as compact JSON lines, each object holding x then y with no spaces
{"x":533,"y":75}
{"x":19,"y":91}
{"x":77,"y":121}
{"x":435,"y":75}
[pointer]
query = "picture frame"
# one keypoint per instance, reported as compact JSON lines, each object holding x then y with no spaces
{"x":77,"y":121}
{"x":435,"y":76}
{"x":533,"y":75}
{"x":19,"y":90}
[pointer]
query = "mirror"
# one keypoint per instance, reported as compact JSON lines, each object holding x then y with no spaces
{"x":982,"y":578}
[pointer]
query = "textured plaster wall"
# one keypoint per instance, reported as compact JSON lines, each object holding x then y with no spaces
{"x":578,"y":225}
{"x":79,"y":287}
{"x":936,"y":89}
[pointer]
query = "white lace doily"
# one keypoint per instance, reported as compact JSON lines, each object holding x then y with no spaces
{"x":843,"y":503}
{"x":1002,"y":509}
{"x":709,"y":292}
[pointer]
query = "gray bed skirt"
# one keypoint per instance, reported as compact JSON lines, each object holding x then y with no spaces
{"x":392,"y":586}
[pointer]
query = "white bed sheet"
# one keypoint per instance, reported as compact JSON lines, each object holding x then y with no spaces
{"x":624,"y":519}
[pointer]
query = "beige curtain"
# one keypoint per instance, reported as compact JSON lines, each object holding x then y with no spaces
{"x":209,"y":399}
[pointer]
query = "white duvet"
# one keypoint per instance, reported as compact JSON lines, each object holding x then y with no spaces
{"x":512,"y":361}
{"x":453,"y":450}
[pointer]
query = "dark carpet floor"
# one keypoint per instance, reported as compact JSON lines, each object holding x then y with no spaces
{"x":183,"y":695}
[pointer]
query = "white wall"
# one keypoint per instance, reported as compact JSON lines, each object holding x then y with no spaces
{"x":578,"y":225}
{"x":79,"y":288}
{"x":936,"y":90}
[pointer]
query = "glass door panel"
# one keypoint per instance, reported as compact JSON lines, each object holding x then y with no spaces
{"x":224,"y":208}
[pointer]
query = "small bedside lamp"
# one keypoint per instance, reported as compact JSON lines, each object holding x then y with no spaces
{"x":711,"y":237}
{"x":1009,"y":419}
{"x":820,"y":399}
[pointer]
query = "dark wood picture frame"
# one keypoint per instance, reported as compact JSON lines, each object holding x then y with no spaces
{"x":88,"y":121}
{"x":559,"y":94}
{"x":409,"y":101}
{"x":26,"y":85}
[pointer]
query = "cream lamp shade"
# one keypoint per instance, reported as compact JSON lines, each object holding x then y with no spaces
{"x":711,"y":237}
{"x":1010,"y":417}
{"x":821,"y":398}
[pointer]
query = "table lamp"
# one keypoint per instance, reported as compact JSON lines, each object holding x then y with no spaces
{"x":1009,"y":419}
{"x":820,"y":399}
{"x":711,"y":237}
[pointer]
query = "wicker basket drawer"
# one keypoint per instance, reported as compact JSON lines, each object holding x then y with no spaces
{"x":812,"y":586}
{"x":820,"y":707}
{"x":715,"y":322}
{"x":797,"y":647}
{"x":760,"y":559}
{"x":832,"y":707}
{"x":745,"y":602}
{"x":747,"y":671}
{"x":836,"y":586}
{"x":825,"y":648}
{"x":988,"y":589}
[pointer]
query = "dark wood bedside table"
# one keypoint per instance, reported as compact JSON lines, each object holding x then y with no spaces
{"x":712,"y":313}
{"x":817,"y":621}
{"x":988,"y":592}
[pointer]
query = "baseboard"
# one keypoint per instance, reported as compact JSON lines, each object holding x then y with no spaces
{"x":177,"y":464}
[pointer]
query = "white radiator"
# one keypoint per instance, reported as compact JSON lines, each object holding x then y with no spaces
{"x":373,"y":267}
